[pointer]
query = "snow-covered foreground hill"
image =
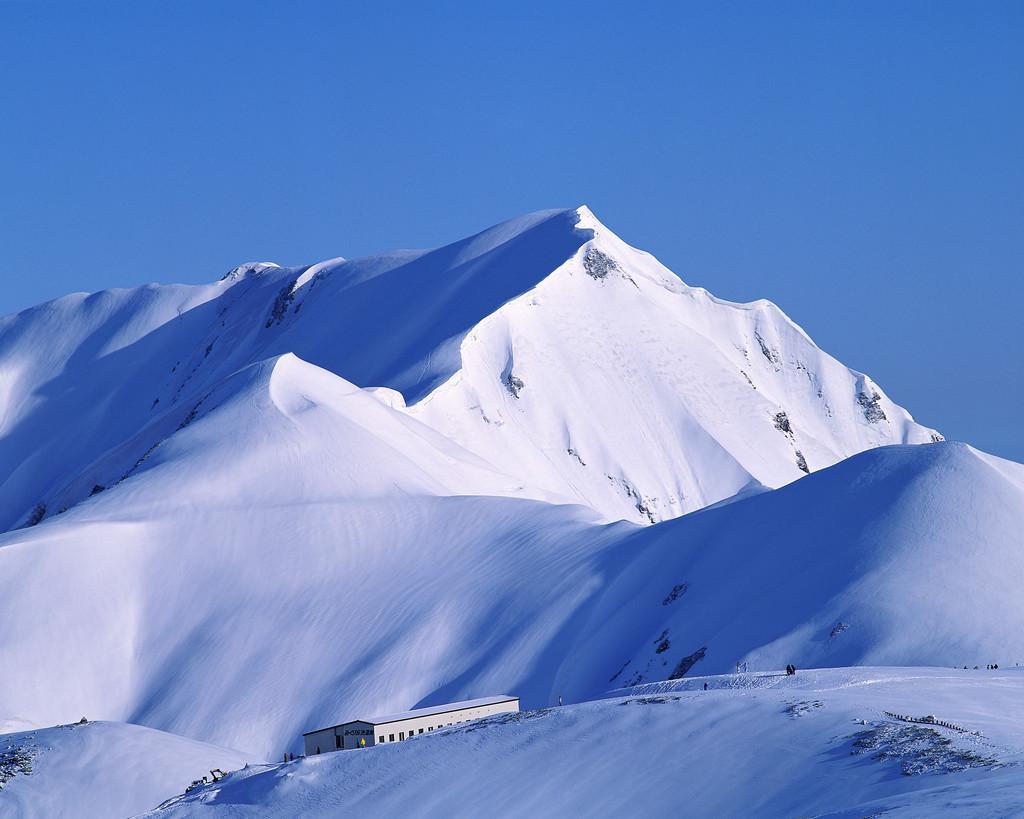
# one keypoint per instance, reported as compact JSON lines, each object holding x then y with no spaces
{"x":553,"y":350}
{"x":100,"y":769}
{"x":818,"y":744}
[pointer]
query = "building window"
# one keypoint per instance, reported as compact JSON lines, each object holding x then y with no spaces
{"x":431,"y":728}
{"x":337,"y":741}
{"x":380,"y":738}
{"x":421,"y":730}
{"x":401,"y":735}
{"x":391,"y":737}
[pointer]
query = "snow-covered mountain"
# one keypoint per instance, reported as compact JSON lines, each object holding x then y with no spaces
{"x":533,"y":461}
{"x":567,"y":359}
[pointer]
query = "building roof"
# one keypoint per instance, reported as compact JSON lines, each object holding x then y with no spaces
{"x":424,"y":712}
{"x":438,"y":709}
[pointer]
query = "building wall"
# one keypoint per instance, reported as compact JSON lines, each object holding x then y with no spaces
{"x":425,"y":725}
{"x":352,"y":732}
{"x":323,"y":739}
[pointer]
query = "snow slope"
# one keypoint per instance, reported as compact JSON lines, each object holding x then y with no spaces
{"x":301,"y":550}
{"x":100,"y":769}
{"x":648,"y":398}
{"x":289,"y":432}
{"x":546,"y":345}
{"x":296,"y":534}
{"x":750,"y":746}
{"x":908,"y":555}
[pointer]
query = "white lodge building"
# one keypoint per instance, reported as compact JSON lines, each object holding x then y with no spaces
{"x":362,"y":733}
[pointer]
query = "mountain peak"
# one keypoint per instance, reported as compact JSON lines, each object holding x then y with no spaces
{"x":546,"y":345}
{"x":587,"y":220}
{"x":248,"y":269}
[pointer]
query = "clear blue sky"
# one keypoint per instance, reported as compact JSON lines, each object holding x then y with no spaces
{"x":859,"y":163}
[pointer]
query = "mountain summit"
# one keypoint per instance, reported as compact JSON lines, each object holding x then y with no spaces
{"x":565,"y":358}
